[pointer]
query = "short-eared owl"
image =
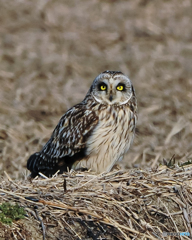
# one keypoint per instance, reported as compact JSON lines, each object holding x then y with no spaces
{"x":93,"y":134}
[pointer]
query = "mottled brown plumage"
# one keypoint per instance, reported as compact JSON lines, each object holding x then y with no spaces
{"x":93,"y":134}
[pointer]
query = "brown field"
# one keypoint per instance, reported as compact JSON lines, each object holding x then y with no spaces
{"x":50,"y":52}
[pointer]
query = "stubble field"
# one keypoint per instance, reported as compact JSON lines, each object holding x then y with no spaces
{"x":50,"y":52}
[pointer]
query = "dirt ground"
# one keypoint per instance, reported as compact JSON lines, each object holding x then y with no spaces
{"x":50,"y":52}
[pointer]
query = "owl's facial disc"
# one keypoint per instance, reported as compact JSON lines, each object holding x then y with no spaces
{"x":112,"y":88}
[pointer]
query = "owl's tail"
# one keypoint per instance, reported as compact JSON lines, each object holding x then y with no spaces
{"x":32,"y":164}
{"x":45,"y":164}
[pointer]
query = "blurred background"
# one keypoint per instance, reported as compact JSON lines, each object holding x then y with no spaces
{"x":50,"y":52}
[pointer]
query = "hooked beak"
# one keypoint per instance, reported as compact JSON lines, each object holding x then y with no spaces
{"x":111,"y":97}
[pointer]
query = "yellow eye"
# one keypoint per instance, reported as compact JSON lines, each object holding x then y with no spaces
{"x":120,"y":88}
{"x":103,"y":87}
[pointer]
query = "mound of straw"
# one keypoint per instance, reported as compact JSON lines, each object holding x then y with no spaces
{"x":136,"y":204}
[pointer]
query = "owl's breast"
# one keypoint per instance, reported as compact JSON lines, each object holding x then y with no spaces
{"x":111,"y":138}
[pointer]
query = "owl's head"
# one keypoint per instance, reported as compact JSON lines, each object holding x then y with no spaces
{"x":112,"y":87}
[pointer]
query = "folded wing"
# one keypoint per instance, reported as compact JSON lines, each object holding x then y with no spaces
{"x":67,"y":143}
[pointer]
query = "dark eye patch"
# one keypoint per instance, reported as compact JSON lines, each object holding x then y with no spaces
{"x":102,"y":86}
{"x":121,"y":85}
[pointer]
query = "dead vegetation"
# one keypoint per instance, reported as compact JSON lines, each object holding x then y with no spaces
{"x":50,"y":52}
{"x":136,"y":204}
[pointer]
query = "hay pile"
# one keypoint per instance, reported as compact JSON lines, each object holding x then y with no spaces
{"x":136,"y":204}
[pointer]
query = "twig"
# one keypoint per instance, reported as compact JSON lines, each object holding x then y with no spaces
{"x":42,"y":224}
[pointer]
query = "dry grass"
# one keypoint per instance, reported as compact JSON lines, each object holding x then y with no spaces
{"x":50,"y":52}
{"x":135,"y":204}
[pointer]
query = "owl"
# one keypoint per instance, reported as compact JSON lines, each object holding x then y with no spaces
{"x":93,"y":134}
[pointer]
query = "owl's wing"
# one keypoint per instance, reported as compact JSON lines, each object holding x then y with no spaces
{"x":67,"y":143}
